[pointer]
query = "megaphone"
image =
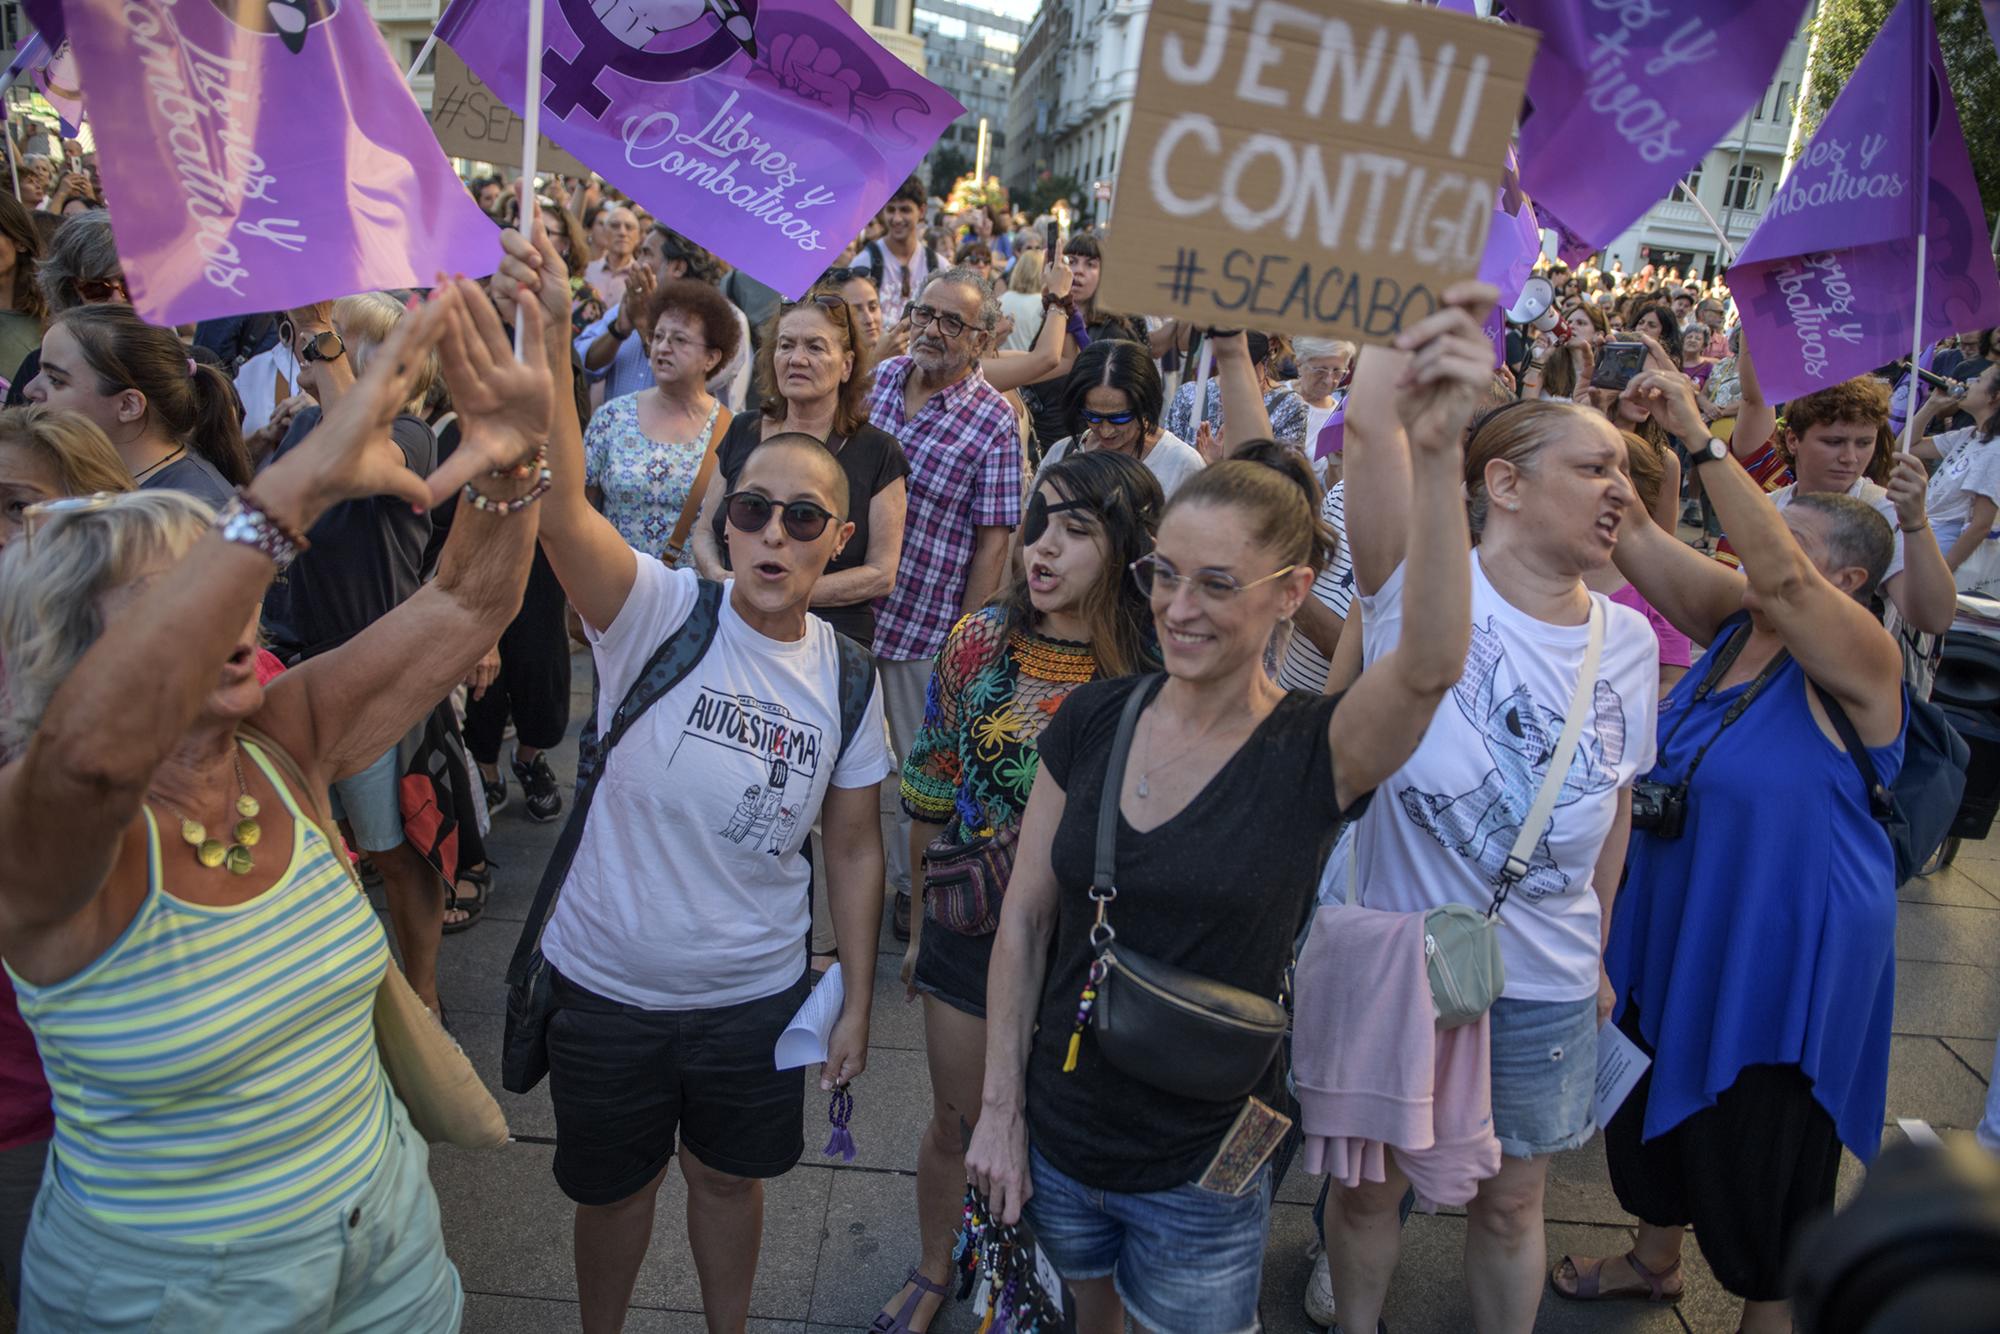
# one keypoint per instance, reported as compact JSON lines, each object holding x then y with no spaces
{"x":1536,"y":306}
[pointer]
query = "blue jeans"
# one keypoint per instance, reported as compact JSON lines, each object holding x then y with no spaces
{"x":1185,"y":1261}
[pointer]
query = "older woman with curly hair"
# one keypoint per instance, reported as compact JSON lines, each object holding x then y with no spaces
{"x":647,"y":455}
{"x":184,"y":938}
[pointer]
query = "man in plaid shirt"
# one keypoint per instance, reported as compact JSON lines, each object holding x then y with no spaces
{"x":964,"y":449}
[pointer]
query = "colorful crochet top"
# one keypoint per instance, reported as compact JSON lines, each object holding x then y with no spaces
{"x":991,"y":695}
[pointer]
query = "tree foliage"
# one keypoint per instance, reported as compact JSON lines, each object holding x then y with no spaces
{"x":1040,"y":195}
{"x":947,"y":165}
{"x":1843,"y":30}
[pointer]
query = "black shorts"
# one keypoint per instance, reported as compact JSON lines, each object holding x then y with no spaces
{"x":1747,"y":1173}
{"x":625,"y":1081}
{"x":952,"y":967}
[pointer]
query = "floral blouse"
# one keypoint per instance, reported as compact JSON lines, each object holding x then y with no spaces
{"x":645,"y":482}
{"x":990,"y":698}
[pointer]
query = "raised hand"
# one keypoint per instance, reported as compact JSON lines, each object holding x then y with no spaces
{"x":1909,"y":488}
{"x":639,"y":287}
{"x":534,"y":265}
{"x":503,"y":404}
{"x":1056,"y":276}
{"x":1669,"y":397}
{"x":1451,"y":366}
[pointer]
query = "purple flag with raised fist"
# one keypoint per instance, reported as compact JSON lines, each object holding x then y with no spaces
{"x":769,"y":131}
{"x":256,"y":160}
{"x":1826,"y":284}
{"x":1626,"y":95}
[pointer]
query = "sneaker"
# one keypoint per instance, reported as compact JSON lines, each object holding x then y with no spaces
{"x":496,"y":791}
{"x":538,"y":789}
{"x":1319,"y":1293}
{"x":899,"y":921}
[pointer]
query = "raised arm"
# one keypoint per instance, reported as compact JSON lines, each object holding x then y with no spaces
{"x":1375,"y":461}
{"x":340,"y":710}
{"x":1047,"y":358}
{"x":1243,"y":415}
{"x":1756,"y":420}
{"x":1838,"y":643}
{"x":591,"y":561}
{"x":67,"y":798}
{"x":1379,"y":723}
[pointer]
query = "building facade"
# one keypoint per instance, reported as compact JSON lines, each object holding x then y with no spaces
{"x":971,"y":53}
{"x":1733,"y":181}
{"x":1072,"y":99}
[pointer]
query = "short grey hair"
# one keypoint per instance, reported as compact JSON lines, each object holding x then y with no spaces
{"x":82,"y":249}
{"x":52,"y":590}
{"x":1311,"y":349}
{"x":1856,"y":535}
{"x":960,"y":276}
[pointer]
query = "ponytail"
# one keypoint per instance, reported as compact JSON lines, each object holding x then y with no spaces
{"x":195,"y":405}
{"x":217,"y":432}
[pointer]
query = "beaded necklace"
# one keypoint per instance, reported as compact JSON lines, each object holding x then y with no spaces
{"x":1055,"y":660}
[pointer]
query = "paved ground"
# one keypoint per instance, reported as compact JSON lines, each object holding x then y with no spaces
{"x":838,"y":1239}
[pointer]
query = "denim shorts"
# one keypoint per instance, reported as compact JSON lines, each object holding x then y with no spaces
{"x":370,"y":1260}
{"x":1185,"y":1261}
{"x":372,"y":805}
{"x":952,"y":967}
{"x":1544,"y":1075}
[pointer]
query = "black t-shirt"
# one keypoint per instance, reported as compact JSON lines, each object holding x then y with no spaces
{"x":1221,"y":890}
{"x":194,"y":475}
{"x":872,"y":460}
{"x":17,"y":388}
{"x":366,"y":557}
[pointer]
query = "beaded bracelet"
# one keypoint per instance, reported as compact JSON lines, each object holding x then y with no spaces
{"x":503,"y":508}
{"x":525,"y":469}
{"x":242,"y":520}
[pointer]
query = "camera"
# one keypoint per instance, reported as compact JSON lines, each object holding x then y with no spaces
{"x":1659,"y":808}
{"x":1617,"y":363}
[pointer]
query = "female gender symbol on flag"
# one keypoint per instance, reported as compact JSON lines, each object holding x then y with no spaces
{"x":653,"y":41}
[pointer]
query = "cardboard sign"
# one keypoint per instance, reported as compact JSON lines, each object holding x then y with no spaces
{"x":471,"y":122}
{"x":1327,"y":170}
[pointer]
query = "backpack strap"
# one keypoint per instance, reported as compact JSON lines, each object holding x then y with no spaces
{"x":1881,"y":801}
{"x":857,"y":687}
{"x":670,"y":664}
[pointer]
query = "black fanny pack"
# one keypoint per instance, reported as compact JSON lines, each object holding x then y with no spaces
{"x":1178,"y":1031}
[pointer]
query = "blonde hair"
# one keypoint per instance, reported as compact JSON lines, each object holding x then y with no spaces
{"x":365,"y":321}
{"x":1027,"y":275}
{"x":52,"y":590}
{"x":1515,"y":434}
{"x":71,"y":444}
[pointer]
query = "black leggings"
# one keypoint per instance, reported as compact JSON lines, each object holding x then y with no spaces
{"x":533,"y":683}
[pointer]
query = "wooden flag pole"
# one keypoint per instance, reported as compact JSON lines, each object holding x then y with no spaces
{"x":531,"y":140}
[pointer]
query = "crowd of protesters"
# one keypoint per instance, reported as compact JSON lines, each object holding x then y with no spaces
{"x":981,"y":588}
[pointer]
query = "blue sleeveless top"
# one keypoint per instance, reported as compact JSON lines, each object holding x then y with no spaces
{"x":1766,"y":933}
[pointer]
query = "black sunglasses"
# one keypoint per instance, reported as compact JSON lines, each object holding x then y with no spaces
{"x":831,"y":302}
{"x":750,"y":512}
{"x":841,"y":277}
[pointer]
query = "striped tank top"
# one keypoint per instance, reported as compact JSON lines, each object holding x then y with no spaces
{"x":214,"y":1072}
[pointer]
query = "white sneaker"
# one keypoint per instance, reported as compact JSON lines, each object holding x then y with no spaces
{"x":1319,"y":1293}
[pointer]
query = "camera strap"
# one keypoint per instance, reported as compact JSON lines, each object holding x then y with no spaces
{"x":1724,"y":659}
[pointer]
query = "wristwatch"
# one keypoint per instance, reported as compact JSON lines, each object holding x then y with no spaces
{"x":1710,"y":450}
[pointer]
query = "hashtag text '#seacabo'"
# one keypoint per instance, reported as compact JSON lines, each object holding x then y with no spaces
{"x":1181,"y":286}
{"x":453,"y":103}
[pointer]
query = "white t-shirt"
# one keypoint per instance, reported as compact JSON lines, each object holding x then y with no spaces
{"x":1439,"y":829}
{"x":1304,"y":668}
{"x":1875,"y":496}
{"x":1171,"y":459}
{"x":688,"y":890}
{"x":1971,"y":468}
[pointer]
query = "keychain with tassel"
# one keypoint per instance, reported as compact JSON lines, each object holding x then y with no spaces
{"x":841,"y":1141}
{"x":1084,"y":1005}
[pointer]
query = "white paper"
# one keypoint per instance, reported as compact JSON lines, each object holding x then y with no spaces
{"x":804,"y":1040}
{"x":1919,"y":1132}
{"x":1619,"y":1065}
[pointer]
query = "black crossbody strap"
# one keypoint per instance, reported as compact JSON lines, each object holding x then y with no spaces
{"x":1105,"y":877}
{"x":857,"y":687}
{"x":670,"y":664}
{"x":1881,"y":801}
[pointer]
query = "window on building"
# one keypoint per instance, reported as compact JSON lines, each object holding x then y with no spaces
{"x":1781,"y":109}
{"x":1692,"y":185}
{"x":885,"y":14}
{"x":1746,"y":182}
{"x":416,"y":46}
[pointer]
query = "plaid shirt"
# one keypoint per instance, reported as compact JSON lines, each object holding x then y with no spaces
{"x":964,"y":448}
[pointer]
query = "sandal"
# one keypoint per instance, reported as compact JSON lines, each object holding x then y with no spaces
{"x":1589,"y":1275}
{"x":899,"y":1323}
{"x":470,"y":905}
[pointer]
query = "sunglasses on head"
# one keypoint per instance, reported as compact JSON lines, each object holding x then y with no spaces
{"x":833,"y":303}
{"x":750,"y":512}
{"x":841,"y":277}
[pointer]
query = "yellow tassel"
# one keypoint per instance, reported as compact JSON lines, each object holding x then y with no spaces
{"x":1075,"y":1048}
{"x":987,"y":1323}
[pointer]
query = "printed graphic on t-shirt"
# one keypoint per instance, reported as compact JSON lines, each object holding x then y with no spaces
{"x":784,"y":754}
{"x":1520,"y":735}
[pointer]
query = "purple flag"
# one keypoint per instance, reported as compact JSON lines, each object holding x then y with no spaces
{"x":1992,"y":8}
{"x":1626,"y":95}
{"x":769,"y":131}
{"x":1513,"y":244}
{"x":47,"y":16}
{"x":55,"y":77}
{"x":1825,"y":286}
{"x":255,"y":162}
